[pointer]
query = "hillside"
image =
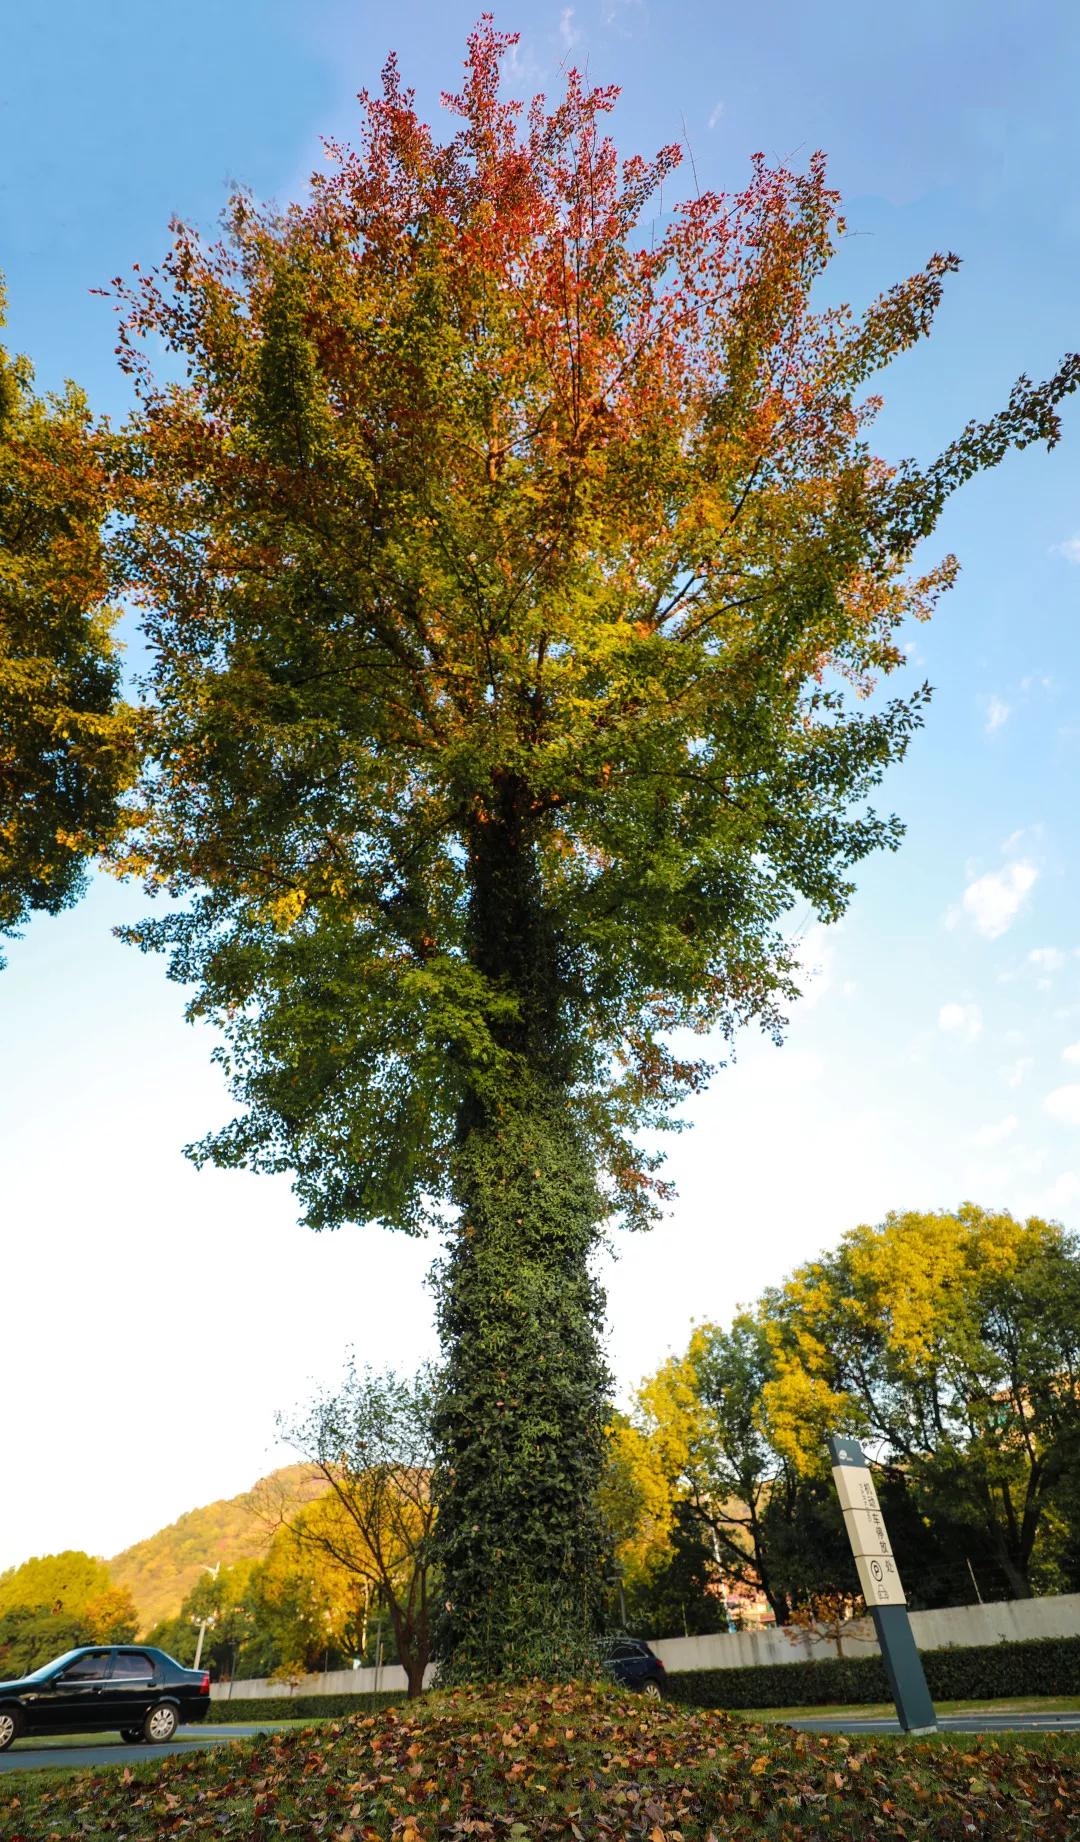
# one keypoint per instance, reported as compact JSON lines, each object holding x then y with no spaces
{"x":161,"y":1570}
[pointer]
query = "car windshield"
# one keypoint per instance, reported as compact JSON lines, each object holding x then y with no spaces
{"x":46,"y":1669}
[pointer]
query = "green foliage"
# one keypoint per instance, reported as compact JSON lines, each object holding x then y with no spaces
{"x":274,"y":1617}
{"x":1044,"y":1666}
{"x":547,"y":1762}
{"x":220,"y":1598}
{"x":32,"y":1635}
{"x":681,"y":1599}
{"x":306,"y":1595}
{"x":66,"y":743}
{"x":224,"y":1711}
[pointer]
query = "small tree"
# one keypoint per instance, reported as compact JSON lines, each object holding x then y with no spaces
{"x":373,"y":1444}
{"x":830,"y":1616}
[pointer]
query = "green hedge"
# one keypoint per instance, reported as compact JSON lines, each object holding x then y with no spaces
{"x":298,"y":1707}
{"x":1043,"y":1666}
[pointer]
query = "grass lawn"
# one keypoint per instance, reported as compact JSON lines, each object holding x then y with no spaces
{"x":31,"y":1742}
{"x":591,"y":1766}
{"x":1015,"y":1704}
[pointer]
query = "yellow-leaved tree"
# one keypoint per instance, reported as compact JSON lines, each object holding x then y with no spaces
{"x":951,"y":1341}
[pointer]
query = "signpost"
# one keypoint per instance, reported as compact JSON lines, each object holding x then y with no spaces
{"x":881,"y":1586}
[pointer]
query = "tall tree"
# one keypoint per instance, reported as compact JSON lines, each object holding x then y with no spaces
{"x":951,"y":1340}
{"x":514,"y":568}
{"x":65,"y":739}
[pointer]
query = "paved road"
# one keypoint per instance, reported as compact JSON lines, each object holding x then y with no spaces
{"x":948,"y":1723}
{"x":51,"y":1753}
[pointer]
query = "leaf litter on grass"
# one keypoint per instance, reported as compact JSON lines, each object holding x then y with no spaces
{"x":582,"y":1764}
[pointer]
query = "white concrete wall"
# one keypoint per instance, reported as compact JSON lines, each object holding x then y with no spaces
{"x":960,"y":1625}
{"x":335,"y":1682}
{"x":751,"y":1649}
{"x":1006,"y":1623}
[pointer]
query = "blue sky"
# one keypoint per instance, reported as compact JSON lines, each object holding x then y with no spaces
{"x":159,"y":1316}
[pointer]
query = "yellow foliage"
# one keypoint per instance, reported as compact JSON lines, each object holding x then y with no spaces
{"x":910,"y":1281}
{"x":637,"y":1502}
{"x":285,"y":910}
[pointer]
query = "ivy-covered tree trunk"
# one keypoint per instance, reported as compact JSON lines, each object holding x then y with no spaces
{"x":522,"y":1417}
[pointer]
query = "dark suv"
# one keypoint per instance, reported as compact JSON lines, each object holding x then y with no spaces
{"x":140,"y":1692}
{"x":632,"y":1663}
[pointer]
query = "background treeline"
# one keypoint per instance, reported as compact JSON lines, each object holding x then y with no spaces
{"x":53,"y":1603}
{"x":951,"y":1344}
{"x":287,"y":1613}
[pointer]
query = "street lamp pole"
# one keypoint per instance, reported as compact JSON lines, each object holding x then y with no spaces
{"x":213,"y":1571}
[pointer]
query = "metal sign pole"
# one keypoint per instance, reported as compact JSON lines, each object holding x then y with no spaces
{"x":881,"y":1586}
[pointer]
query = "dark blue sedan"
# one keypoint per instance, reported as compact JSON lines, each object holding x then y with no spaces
{"x":632,"y":1663}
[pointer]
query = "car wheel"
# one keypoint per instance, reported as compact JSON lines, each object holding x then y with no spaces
{"x":10,"y":1727}
{"x":651,"y":1691}
{"x":161,"y":1723}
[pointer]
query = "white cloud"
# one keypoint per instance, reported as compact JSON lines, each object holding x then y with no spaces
{"x":1017,"y":1072}
{"x":568,"y":31}
{"x":988,"y":1136}
{"x":1022,"y":835}
{"x":997,"y":713}
{"x":993,"y":901}
{"x":1072,"y":1054}
{"x":1064,"y":1105}
{"x":616,"y":12}
{"x":1046,"y":959}
{"x":1063,"y":1192}
{"x":716,"y":114}
{"x":1070,"y":549}
{"x":961,"y":1020}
